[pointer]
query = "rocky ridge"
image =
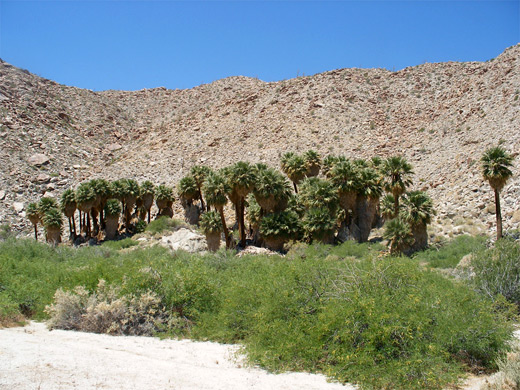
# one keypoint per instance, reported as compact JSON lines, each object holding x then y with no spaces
{"x":441,"y":116}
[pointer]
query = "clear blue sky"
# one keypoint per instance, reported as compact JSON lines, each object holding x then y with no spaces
{"x":131,"y":45}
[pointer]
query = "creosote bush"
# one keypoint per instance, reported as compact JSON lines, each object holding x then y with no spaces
{"x":383,"y":323}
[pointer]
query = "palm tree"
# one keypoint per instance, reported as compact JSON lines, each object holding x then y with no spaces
{"x":102,"y":189}
{"x":272,"y":190}
{"x":277,"y":228}
{"x":211,"y":224}
{"x":369,"y":192}
{"x":34,"y":217}
{"x":344,"y":175}
{"x":199,"y":173}
{"x":215,"y":189}
{"x":188,"y":191}
{"x":85,"y":200}
{"x":241,"y":179}
{"x":112,"y":213}
{"x":317,"y":193}
{"x":320,"y":225}
{"x":294,"y":167}
{"x":418,"y":213}
{"x":164,"y":200}
{"x":147,"y":194}
{"x":52,"y":222}
{"x":495,"y":169}
{"x":397,"y":172}
{"x":312,"y":163}
{"x":68,"y":206}
{"x":399,"y":235}
{"x":329,"y":162}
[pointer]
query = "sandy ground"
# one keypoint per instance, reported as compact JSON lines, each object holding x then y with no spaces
{"x":33,"y":358}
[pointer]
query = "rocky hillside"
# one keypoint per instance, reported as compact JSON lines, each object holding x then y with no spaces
{"x":440,"y":116}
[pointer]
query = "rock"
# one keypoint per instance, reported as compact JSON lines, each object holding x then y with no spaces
{"x":185,"y":239}
{"x":18,"y":206}
{"x":43,"y":178}
{"x":114,"y":147}
{"x":515,"y":218}
{"x":38,"y":160}
{"x":2,"y":195}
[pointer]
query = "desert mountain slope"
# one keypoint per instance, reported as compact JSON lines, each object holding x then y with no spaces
{"x":440,"y":116}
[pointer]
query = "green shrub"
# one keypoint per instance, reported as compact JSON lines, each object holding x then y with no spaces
{"x":449,"y":255}
{"x":120,"y":244}
{"x":112,"y":207}
{"x":210,"y":222}
{"x":163,"y":224}
{"x":497,"y":270}
{"x":508,"y":377}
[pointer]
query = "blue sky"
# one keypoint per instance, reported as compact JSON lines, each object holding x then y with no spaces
{"x":132,"y":45}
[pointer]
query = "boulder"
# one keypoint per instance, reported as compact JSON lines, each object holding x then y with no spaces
{"x":38,"y":159}
{"x":185,"y":239}
{"x":18,"y":206}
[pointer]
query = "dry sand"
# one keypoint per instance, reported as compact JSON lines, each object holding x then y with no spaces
{"x":32,"y":357}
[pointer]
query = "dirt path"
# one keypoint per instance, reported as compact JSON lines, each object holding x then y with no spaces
{"x":34,"y":358}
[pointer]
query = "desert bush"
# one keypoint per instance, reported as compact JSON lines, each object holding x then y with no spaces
{"x":508,"y":376}
{"x":164,"y":224}
{"x":106,"y":311}
{"x":449,"y":254}
{"x":497,"y":270}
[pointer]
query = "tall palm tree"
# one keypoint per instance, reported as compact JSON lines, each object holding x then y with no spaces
{"x":294,"y":167}
{"x":52,"y":222}
{"x":34,"y":217}
{"x":85,"y":200}
{"x":418,"y":213}
{"x":215,"y":189}
{"x":241,"y":179}
{"x":147,"y":194}
{"x":68,"y":206}
{"x":399,"y":235}
{"x":398,"y":173}
{"x":495,"y":169}
{"x":163,"y":200}
{"x":188,"y":191}
{"x":199,"y":173}
{"x":312,"y":163}
{"x":272,"y":190}
{"x":369,"y":192}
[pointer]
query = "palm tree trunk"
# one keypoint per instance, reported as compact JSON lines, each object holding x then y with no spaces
{"x":241,"y":227}
{"x":36,"y":232}
{"x":295,"y":188}
{"x":498,"y":214}
{"x":80,"y":223}
{"x":74,"y":225}
{"x":396,"y":205}
{"x":149,"y":212}
{"x":224,"y":226}
{"x":201,"y":200}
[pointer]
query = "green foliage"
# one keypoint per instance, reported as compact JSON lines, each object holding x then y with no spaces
{"x":85,"y":193}
{"x":418,"y":208}
{"x":285,"y":224}
{"x":52,"y":219}
{"x":102,"y":188}
{"x":120,"y":244}
{"x":370,"y":183}
{"x":163,"y":192}
{"x":254,"y":215}
{"x":45,"y":204}
{"x":163,"y":224}
{"x":6,"y":232}
{"x":387,"y":206}
{"x":187,"y":188}
{"x":344,"y":176}
{"x":449,"y":254}
{"x":32,"y":211}
{"x":140,"y":226}
{"x":312,"y":162}
{"x":216,"y":187}
{"x":147,"y":187}
{"x":329,"y":162}
{"x":68,"y":198}
{"x":241,"y":178}
{"x":495,"y":167}
{"x":382,"y":323}
{"x":315,"y":192}
{"x":318,"y":223}
{"x":398,"y":173}
{"x":293,"y":166}
{"x":210,"y":222}
{"x":271,"y":183}
{"x":112,"y":207}
{"x":199,"y":173}
{"x":497,"y":270}
{"x":399,"y":234}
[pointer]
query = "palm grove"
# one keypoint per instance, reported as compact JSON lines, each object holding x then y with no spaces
{"x":318,"y":200}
